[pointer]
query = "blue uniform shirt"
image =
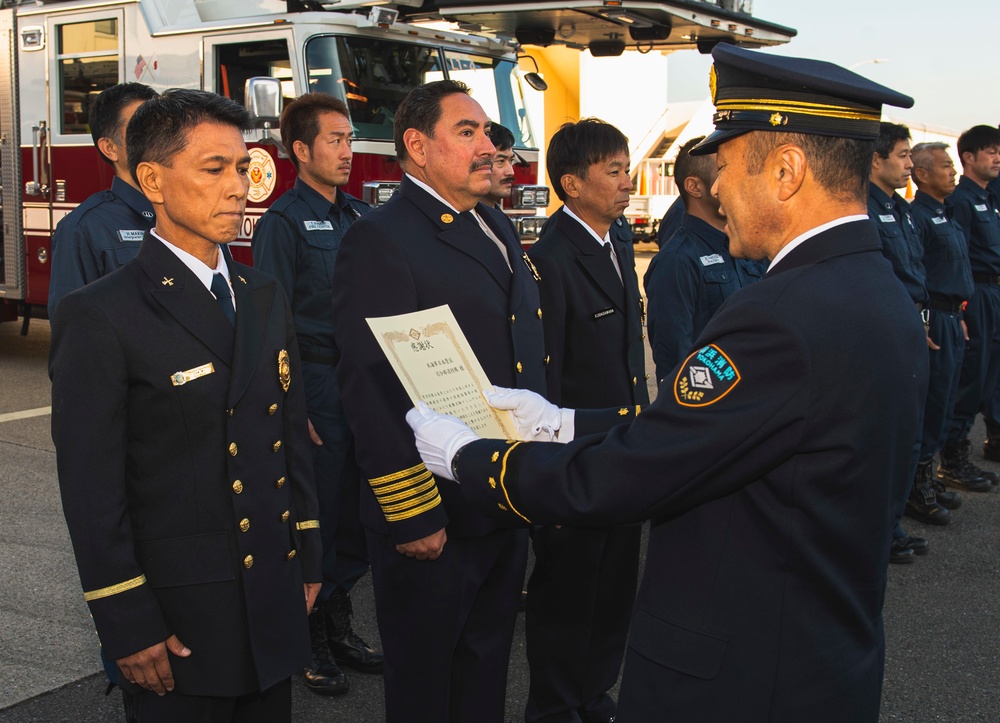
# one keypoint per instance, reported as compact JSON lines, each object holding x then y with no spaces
{"x":975,"y":209}
{"x":946,"y":256}
{"x":671,"y":222}
{"x":686,"y":283}
{"x":900,"y":240}
{"x":296,"y":240}
{"x":97,"y":237}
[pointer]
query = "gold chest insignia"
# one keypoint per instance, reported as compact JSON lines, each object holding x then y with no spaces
{"x":284,"y":370}
{"x":168,"y":282}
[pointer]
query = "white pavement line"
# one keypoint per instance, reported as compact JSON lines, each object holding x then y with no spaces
{"x":26,"y":414}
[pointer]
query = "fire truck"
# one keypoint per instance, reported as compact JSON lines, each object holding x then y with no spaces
{"x":58,"y":55}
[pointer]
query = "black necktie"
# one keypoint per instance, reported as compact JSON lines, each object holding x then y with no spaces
{"x":223,"y":297}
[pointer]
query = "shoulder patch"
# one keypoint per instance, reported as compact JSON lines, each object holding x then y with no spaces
{"x":705,"y":377}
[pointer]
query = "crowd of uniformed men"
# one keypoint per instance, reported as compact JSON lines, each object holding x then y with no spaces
{"x":231,"y":438}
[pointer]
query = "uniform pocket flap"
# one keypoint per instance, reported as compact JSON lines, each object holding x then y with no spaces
{"x":672,"y":646}
{"x":191,"y":560}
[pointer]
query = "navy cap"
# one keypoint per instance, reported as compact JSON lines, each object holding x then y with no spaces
{"x":754,"y":91}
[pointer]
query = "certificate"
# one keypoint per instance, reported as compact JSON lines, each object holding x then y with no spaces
{"x":436,"y":365}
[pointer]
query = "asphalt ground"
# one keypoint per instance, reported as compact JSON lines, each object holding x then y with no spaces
{"x":942,"y":613}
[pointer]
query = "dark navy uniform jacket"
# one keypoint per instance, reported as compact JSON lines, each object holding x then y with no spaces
{"x":592,"y":319}
{"x":772,"y":488}
{"x":97,"y":237}
{"x":946,"y":256}
{"x":686,"y":283}
{"x":296,"y":240}
{"x":900,"y":241}
{"x":186,"y":471}
{"x":975,"y":210}
{"x":416,"y":253}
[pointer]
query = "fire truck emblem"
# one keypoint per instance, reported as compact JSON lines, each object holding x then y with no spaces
{"x":262,"y":175}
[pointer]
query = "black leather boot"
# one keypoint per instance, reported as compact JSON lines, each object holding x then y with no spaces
{"x":346,"y":646}
{"x":922,"y":504}
{"x":956,"y":470}
{"x":323,"y":676}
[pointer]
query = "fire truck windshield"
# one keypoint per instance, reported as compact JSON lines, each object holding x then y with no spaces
{"x":373,"y":76}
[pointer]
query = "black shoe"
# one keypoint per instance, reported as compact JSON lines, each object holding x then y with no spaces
{"x":946,"y":498}
{"x":919,"y":545}
{"x":991,"y":450}
{"x":346,"y":646}
{"x":929,"y":514}
{"x":901,"y":553}
{"x":323,"y":676}
{"x":956,"y":470}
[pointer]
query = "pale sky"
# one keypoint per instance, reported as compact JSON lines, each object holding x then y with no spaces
{"x":943,"y":54}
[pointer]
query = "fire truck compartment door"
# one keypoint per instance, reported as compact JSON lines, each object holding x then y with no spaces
{"x":607,"y":27}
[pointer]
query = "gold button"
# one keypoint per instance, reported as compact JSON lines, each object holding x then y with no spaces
{"x":547,"y":358}
{"x":646,"y":377}
{"x":519,"y":367}
{"x":634,"y":381}
{"x":272,"y":409}
{"x":284,"y":516}
{"x":539,"y":313}
{"x":248,"y":562}
{"x":291,"y":555}
{"x":244,"y":525}
{"x":493,"y":483}
{"x":512,"y":318}
{"x":233,"y":449}
{"x":237,"y":486}
{"x":277,"y":445}
{"x":280,"y":483}
{"x":642,"y":336}
{"x":229,"y":412}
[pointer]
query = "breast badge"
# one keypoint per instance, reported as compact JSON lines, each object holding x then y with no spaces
{"x":284,"y":370}
{"x":705,"y":377}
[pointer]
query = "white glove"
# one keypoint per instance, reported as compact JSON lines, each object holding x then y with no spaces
{"x":536,"y":419}
{"x":439,"y":437}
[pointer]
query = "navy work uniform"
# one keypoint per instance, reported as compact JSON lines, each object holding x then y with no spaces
{"x":296,"y":241}
{"x":902,"y":247}
{"x":686,"y":283}
{"x":584,"y":579}
{"x":975,"y":210}
{"x":447,"y":624}
{"x":670,"y":222}
{"x":97,"y":237}
{"x":949,"y":287}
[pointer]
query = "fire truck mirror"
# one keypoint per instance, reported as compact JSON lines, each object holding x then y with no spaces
{"x":263,"y":100}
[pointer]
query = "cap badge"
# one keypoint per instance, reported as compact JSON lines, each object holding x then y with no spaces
{"x":779,"y":120}
{"x":284,"y":370}
{"x":713,"y":81}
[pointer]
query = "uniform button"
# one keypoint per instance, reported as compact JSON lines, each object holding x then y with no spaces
{"x":244,"y":525}
{"x":519,"y":368}
{"x":642,"y":336}
{"x":272,"y":409}
{"x":280,"y":483}
{"x":277,"y":445}
{"x":230,"y":412}
{"x":539,"y":313}
{"x":237,"y":487}
{"x":634,"y":381}
{"x":291,"y":554}
{"x":547,"y":358}
{"x":646,"y":377}
{"x":233,"y":449}
{"x":512,"y":318}
{"x":248,"y":562}
{"x":284,"y":516}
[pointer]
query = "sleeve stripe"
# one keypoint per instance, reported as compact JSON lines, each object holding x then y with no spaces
{"x":307,"y":525}
{"x":503,"y":472}
{"x":409,"y":492}
{"x":405,"y":484}
{"x":114,"y":589}
{"x":375,"y":481}
{"x":413,"y":513}
{"x":412,"y":502}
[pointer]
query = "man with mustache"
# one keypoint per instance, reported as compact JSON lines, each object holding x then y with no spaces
{"x":585,"y":579}
{"x":446,"y":578}
{"x":502,"y":179}
{"x":296,"y":241}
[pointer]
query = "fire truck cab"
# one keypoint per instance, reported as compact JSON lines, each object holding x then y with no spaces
{"x":61,"y":53}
